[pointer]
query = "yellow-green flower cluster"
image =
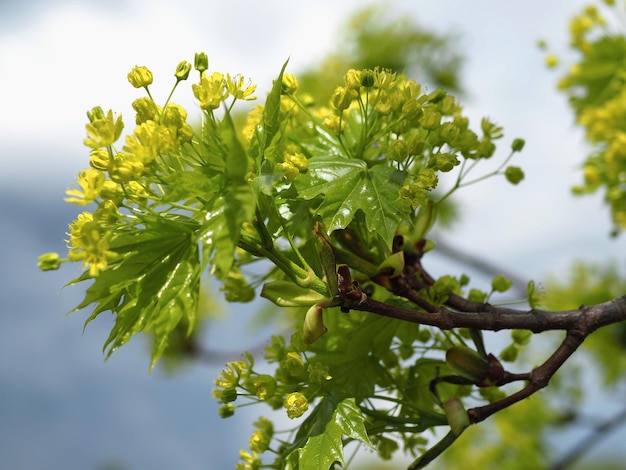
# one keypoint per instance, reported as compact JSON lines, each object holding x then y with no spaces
{"x":89,"y":243}
{"x":599,"y":100}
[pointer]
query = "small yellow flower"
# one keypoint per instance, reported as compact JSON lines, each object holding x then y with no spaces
{"x":259,"y":441}
{"x":298,"y":160}
{"x":99,"y":159}
{"x":103,"y":131}
{"x":211,"y":91}
{"x":289,"y":169}
{"x":352,"y":79}
{"x":296,"y":405}
{"x":49,"y":261}
{"x":253,"y":119}
{"x":552,"y":60}
{"x":240,"y":90}
{"x":384,"y":79}
{"x":342,"y":98}
{"x":140,"y":76}
{"x":201,"y":62}
{"x":146,"y":110}
{"x":89,"y":244}
{"x":182,"y":71}
{"x":90,"y":182}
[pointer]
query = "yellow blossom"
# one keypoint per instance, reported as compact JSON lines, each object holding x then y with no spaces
{"x":89,"y":244}
{"x":238,"y":89}
{"x":211,"y":91}
{"x":296,"y":405}
{"x":140,"y":76}
{"x":103,"y":131}
{"x":146,"y":109}
{"x":90,"y":182}
{"x":252,"y":121}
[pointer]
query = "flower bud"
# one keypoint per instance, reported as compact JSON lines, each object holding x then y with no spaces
{"x":298,"y":160}
{"x":229,"y":395}
{"x":412,"y":110}
{"x":342,"y":97}
{"x":501,"y":283}
{"x":415,"y":145}
{"x":296,"y":405}
{"x":398,"y":151}
{"x":446,"y":161}
{"x":513,"y":174}
{"x":431,"y":120}
{"x":517,"y":145}
{"x":263,"y":386}
{"x":485,"y":149}
{"x":201,"y":62}
{"x":458,"y":419}
{"x":259,"y":441}
{"x":352,"y":79}
{"x":140,"y":76}
{"x":290,"y":84}
{"x":146,"y":110}
{"x":226,"y":411}
{"x":449,"y":132}
{"x":49,"y":262}
{"x":95,"y":114}
{"x":99,"y":159}
{"x":182,"y":71}
{"x":367,"y":78}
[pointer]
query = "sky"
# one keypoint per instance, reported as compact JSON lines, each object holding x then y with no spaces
{"x":59,"y":59}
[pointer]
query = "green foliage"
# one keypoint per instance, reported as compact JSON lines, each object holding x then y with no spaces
{"x":336,"y":191}
{"x":305,"y":187}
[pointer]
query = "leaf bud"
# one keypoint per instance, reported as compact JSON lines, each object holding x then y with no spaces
{"x":513,"y":174}
{"x":201,"y":62}
{"x":313,"y":324}
{"x":458,"y":419}
{"x":182,"y":71}
{"x":467,"y":363}
{"x":49,"y":262}
{"x":296,"y":405}
{"x":140,"y":76}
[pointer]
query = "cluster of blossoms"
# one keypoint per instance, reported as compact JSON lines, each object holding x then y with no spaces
{"x":599,"y":101}
{"x":129,"y":177}
{"x":295,"y":379}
